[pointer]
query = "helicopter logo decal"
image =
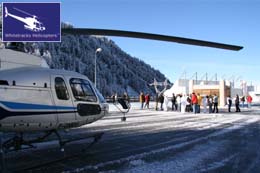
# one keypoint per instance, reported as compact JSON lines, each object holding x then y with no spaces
{"x":31,"y":23}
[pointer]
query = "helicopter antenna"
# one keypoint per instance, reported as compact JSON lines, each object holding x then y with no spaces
{"x":24,"y":12}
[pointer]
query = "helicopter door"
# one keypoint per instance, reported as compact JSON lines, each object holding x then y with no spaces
{"x":62,"y":99}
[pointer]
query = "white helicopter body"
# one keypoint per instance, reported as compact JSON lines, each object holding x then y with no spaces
{"x":42,"y":99}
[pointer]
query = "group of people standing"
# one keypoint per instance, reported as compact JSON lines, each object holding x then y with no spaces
{"x":144,"y":100}
{"x":193,"y":102}
{"x":249,"y":100}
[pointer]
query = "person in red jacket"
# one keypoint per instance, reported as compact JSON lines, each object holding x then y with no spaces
{"x":249,"y":100}
{"x":194,"y":101}
{"x":147,"y":101}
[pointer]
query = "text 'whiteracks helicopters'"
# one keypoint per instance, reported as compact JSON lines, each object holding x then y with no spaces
{"x":31,"y":23}
{"x":47,"y":100}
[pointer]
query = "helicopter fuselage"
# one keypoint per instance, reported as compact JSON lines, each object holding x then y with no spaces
{"x":42,"y":99}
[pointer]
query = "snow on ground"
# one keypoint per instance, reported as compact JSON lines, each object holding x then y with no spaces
{"x":181,"y":163}
{"x":184,"y":162}
{"x":140,"y":122}
{"x":165,"y":141}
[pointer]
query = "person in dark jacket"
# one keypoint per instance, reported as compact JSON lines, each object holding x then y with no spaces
{"x":215,"y":103}
{"x":210,"y":103}
{"x":174,"y":105}
{"x":237,"y":104}
{"x":229,"y":102}
{"x":161,"y":100}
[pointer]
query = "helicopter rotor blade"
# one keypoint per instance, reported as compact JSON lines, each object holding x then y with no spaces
{"x":121,"y":33}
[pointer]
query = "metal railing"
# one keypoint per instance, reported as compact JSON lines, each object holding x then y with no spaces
{"x":132,"y":99}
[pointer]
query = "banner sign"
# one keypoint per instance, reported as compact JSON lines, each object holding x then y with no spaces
{"x":31,"y":22}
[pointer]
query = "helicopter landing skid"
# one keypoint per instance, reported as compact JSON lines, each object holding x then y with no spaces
{"x":19,"y":143}
{"x":96,"y":137}
{"x":66,"y":156}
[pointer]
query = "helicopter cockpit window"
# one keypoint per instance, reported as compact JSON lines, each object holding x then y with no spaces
{"x":82,"y":90}
{"x":61,"y":90}
{"x":38,"y":25}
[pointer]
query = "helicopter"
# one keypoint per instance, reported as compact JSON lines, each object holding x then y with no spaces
{"x":31,"y":23}
{"x":43,"y":99}
{"x":36,"y":99}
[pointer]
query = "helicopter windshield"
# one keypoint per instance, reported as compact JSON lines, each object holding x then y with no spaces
{"x":38,"y":25}
{"x":82,"y":90}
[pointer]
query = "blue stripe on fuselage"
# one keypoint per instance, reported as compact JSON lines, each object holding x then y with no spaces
{"x":23,"y":106}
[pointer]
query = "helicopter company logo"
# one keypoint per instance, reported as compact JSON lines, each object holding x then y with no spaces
{"x":31,"y":22}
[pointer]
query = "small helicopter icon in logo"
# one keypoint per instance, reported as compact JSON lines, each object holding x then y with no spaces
{"x":31,"y":23}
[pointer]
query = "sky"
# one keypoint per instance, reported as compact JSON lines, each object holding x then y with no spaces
{"x":234,"y":22}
